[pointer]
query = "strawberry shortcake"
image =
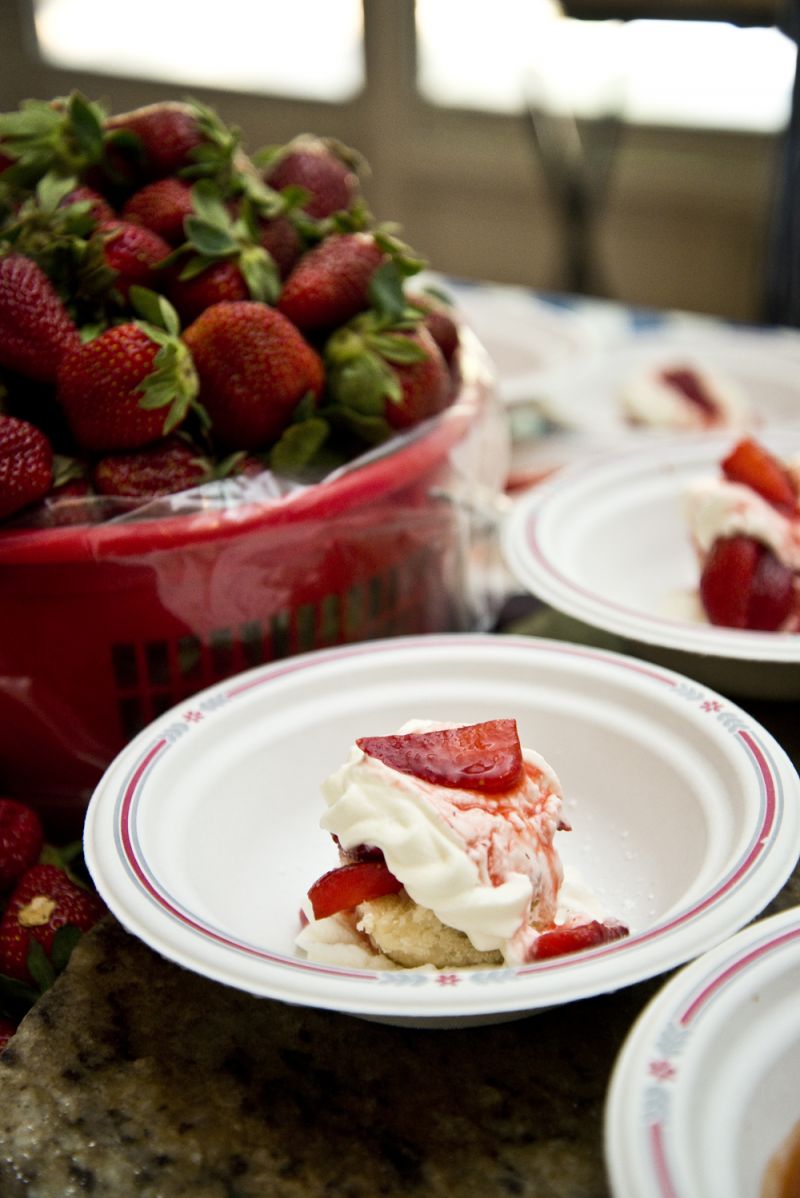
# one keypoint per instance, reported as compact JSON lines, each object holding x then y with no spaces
{"x":683,"y":395}
{"x":447,"y":856}
{"x":745,"y":527}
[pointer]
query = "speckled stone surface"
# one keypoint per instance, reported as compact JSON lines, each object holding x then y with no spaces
{"x":134,"y":1077}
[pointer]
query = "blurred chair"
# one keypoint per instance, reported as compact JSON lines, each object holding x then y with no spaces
{"x":577,"y":153}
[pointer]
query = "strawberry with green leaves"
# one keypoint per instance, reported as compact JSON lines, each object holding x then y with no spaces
{"x":26,"y":465}
{"x":168,"y":138}
{"x":330,"y":283}
{"x":133,"y":253}
{"x":133,"y":384}
{"x":35,"y":327}
{"x":44,"y":901}
{"x":439,"y":320}
{"x":63,"y":136}
{"x":251,"y":405}
{"x":326,"y":170}
{"x":222,"y":258}
{"x":161,"y":206}
{"x":383,"y":377}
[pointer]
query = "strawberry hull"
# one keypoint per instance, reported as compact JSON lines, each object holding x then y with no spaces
{"x":158,"y":609}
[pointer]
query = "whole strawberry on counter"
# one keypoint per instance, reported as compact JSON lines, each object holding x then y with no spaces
{"x":44,"y":901}
{"x":44,"y":910}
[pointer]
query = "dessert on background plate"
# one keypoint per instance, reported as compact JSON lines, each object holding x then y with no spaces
{"x":684,"y":395}
{"x":745,"y":527}
{"x":446,"y":837}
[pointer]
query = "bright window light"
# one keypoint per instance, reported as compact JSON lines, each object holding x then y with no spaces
{"x":261,"y":47}
{"x":504,"y":56}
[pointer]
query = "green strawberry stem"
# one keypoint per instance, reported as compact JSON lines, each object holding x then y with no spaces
{"x":174,"y":380}
{"x":65,"y":136}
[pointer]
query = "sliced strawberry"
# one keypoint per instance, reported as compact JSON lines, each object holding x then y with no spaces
{"x":348,"y":885}
{"x":483,"y":756}
{"x":752,"y":465}
{"x":691,"y":386}
{"x":572,"y":938}
{"x":743,"y":585}
{"x":772,"y":594}
{"x":727,"y":578}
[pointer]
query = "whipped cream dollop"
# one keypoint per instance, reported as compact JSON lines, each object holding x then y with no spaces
{"x":485,"y":864}
{"x":715,"y":508}
{"x":684,"y":397}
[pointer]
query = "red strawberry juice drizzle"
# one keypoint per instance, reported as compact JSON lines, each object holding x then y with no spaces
{"x":691,"y":387}
{"x":504,"y":832}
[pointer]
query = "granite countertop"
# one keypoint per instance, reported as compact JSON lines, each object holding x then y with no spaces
{"x":133,"y":1076}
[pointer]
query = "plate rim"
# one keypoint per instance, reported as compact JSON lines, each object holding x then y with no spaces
{"x":646,"y":1076}
{"x":745,"y":888}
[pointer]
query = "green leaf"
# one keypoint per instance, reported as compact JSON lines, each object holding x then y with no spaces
{"x":373,"y":430}
{"x":298,"y":446}
{"x":195,"y":266}
{"x":360,"y":384}
{"x":87,"y":127}
{"x":19,"y":991}
{"x":401,"y":350}
{"x":306,"y":408}
{"x":208,"y":204}
{"x":155,"y":309}
{"x":36,"y":119}
{"x":64,"y":942}
{"x":208,"y":239}
{"x":39,"y":967}
{"x":386,"y":291}
{"x":53,"y":188}
{"x":260,"y":274}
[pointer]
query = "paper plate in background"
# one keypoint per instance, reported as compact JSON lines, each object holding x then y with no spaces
{"x":606,"y":543}
{"x":765,"y":364}
{"x":704,"y":1092}
{"x":204,"y":836}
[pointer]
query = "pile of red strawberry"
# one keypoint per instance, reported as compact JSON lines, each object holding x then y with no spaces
{"x":173,"y":310}
{"x":45,"y":908}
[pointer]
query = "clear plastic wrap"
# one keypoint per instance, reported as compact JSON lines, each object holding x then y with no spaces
{"x":107,"y":625}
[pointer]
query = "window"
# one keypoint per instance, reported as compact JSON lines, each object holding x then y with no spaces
{"x":502,"y":56}
{"x":261,"y":47}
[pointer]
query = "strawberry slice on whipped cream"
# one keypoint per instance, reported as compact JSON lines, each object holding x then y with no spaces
{"x":745,"y":528}
{"x":451,"y":831}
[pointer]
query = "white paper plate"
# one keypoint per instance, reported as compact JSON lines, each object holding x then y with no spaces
{"x":764,"y":363}
{"x":704,"y":1091}
{"x":203,"y":837}
{"x":607,"y":544}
